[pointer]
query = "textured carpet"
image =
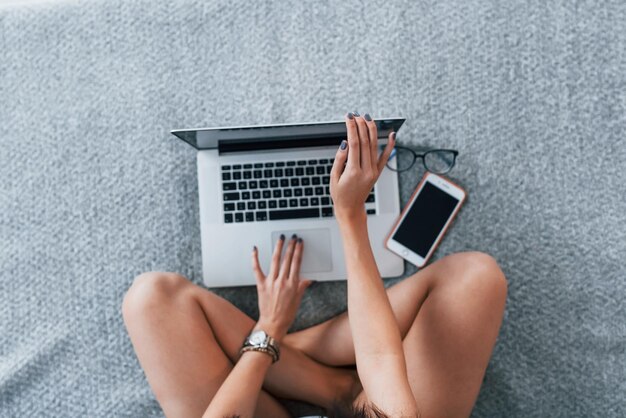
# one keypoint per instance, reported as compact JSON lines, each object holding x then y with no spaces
{"x":94,"y":190}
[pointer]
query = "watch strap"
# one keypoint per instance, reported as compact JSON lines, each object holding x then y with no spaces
{"x":273,"y":344}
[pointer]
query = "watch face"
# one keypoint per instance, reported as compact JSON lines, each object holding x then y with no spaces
{"x":257,"y":337}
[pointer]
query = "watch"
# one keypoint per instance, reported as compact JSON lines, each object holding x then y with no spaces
{"x":259,"y":341}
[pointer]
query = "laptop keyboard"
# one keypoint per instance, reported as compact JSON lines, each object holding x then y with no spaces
{"x":276,"y":190}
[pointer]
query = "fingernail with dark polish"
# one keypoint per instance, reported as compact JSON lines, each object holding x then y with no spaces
{"x":294,"y":236}
{"x":300,"y":240}
{"x":356,"y":113}
{"x":344,"y":144}
{"x":367,"y":117}
{"x":350,"y":115}
{"x":393,"y":136}
{"x":282,"y":237}
{"x":254,"y":248}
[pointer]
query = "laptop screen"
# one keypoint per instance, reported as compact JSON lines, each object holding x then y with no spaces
{"x":242,"y":138}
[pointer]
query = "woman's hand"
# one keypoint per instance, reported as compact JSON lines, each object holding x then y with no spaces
{"x":281,"y":290}
{"x":357,"y":167}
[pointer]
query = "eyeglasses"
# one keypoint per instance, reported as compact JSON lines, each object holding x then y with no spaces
{"x":438,"y":161}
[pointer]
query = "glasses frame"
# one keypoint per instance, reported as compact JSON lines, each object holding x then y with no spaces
{"x":422,"y":156}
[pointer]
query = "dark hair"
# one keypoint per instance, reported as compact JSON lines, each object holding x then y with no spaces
{"x":342,"y":410}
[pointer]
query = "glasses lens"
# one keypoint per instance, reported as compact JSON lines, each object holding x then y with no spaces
{"x":401,"y":159}
{"x":439,"y":161}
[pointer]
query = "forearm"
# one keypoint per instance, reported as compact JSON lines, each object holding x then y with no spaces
{"x":377,"y":341}
{"x":374,"y":328}
{"x":239,"y":393}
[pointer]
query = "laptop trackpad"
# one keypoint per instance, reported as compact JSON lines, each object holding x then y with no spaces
{"x":317,"y":255}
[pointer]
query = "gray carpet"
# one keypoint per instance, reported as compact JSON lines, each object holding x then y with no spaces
{"x":94,"y":190}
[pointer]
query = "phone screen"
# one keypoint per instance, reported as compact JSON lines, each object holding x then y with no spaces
{"x":425,"y":219}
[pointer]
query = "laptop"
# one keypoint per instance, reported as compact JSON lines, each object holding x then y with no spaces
{"x":258,"y":182}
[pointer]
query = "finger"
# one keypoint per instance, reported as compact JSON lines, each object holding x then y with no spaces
{"x":353,"y":142}
{"x":384,"y":157}
{"x":256,"y":266}
{"x":364,"y":143}
{"x":373,"y":135}
{"x":304,"y":285}
{"x":296,"y":261}
{"x":278,"y":250}
{"x":340,"y":161}
{"x":286,"y":264}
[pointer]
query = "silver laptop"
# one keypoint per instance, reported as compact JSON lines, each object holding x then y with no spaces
{"x":258,"y":182}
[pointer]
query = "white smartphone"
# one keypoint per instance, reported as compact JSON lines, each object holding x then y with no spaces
{"x":425,"y":219}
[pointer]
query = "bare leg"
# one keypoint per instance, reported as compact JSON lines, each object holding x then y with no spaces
{"x":331,"y":341}
{"x":449,"y":316}
{"x":449,"y":344}
{"x":182,"y":363}
{"x":187,"y":340}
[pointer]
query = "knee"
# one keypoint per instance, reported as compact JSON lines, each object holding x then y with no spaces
{"x":480,"y":272}
{"x":484,"y":265}
{"x":152,"y":290}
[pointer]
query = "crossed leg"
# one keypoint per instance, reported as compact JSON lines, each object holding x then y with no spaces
{"x":449,"y":314}
{"x":187,"y":339}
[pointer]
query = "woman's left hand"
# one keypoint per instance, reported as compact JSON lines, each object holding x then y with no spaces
{"x":356,"y":168}
{"x":280,"y":292}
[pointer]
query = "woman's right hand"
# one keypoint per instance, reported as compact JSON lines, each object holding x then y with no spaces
{"x":356,"y":168}
{"x":281,"y":290}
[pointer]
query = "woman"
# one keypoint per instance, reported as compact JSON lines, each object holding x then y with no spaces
{"x":420,"y":348}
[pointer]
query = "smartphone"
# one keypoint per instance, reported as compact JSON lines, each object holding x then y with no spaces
{"x":425,"y":219}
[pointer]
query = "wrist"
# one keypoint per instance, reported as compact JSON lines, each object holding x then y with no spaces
{"x":261,"y":340}
{"x":276,"y":331}
{"x":348,"y":220}
{"x":258,"y":355}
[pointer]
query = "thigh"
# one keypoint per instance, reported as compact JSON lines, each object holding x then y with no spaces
{"x":448,"y":346}
{"x":185,"y":357}
{"x":330,"y":342}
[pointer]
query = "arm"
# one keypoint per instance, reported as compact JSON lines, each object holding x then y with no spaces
{"x":239,"y":393}
{"x":280,"y":293}
{"x":377,"y":340}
